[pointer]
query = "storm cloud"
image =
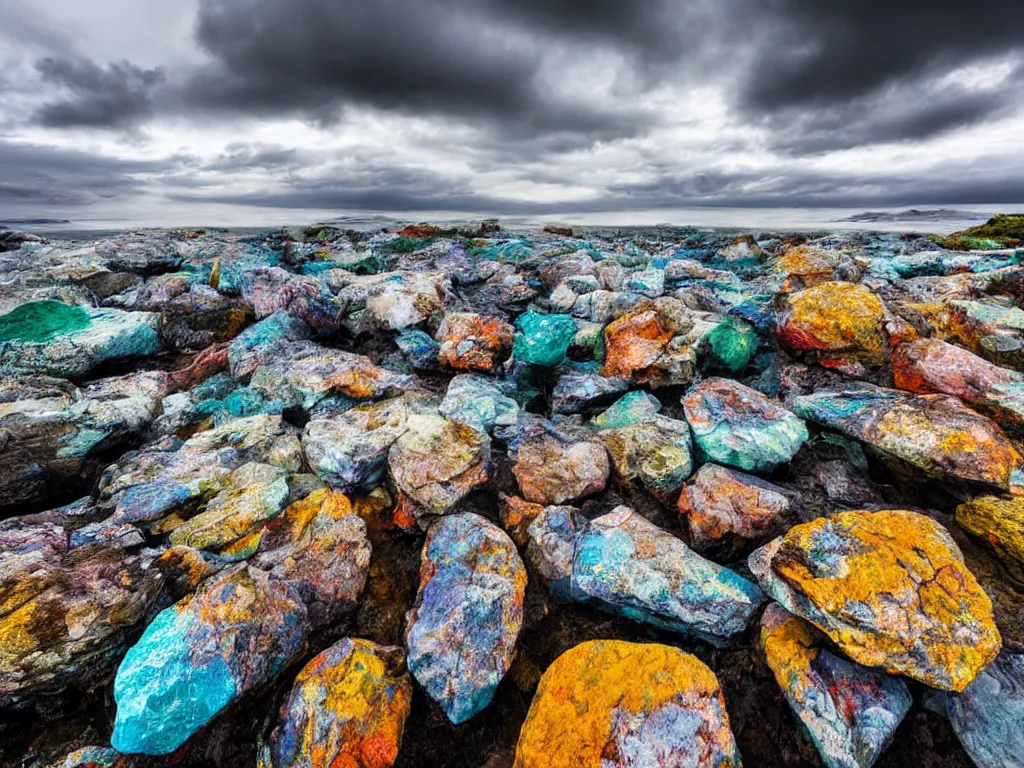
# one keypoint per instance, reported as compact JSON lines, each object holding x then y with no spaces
{"x":515,"y":106}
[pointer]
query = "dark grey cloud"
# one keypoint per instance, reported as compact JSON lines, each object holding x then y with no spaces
{"x":117,"y":95}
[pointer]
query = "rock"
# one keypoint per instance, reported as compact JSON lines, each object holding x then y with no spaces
{"x":935,"y":434}
{"x":988,"y":717}
{"x":738,"y":426}
{"x":932,"y":366}
{"x":478,"y":402}
{"x":585,"y":392}
{"x":657,"y":453}
{"x":50,"y":337}
{"x":435,"y":464}
{"x":320,"y":547}
{"x":350,"y":451}
{"x":474,"y":342}
{"x":272,"y":289}
{"x":647,"y":282}
{"x":462,"y":631}
{"x":348,"y":707}
{"x":744,"y":249}
{"x":543,"y":340}
{"x":840,"y":322}
{"x":611,"y":704}
{"x":890,"y":588}
{"x":517,"y":514}
{"x":729,"y":346}
{"x":625,"y":565}
{"x":553,"y":467}
{"x":729,"y":510}
{"x":850,"y":711}
{"x":999,"y":524}
{"x":407,"y":300}
{"x":198,"y":656}
{"x":254,"y":346}
{"x":628,"y":410}
{"x":69,"y":611}
{"x":640,"y":347}
{"x":55,"y":434}
{"x":421,"y":350}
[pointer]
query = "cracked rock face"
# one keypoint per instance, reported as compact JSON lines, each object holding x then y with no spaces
{"x":614,"y":704}
{"x":890,"y":588}
{"x":462,"y":631}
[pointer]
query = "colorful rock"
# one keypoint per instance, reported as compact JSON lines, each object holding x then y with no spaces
{"x":474,"y":342}
{"x":999,"y":524}
{"x":553,"y":467}
{"x":350,"y":451}
{"x":934,"y":433}
{"x":50,"y":337}
{"x":625,"y":565}
{"x":988,"y":717}
{"x":478,"y":402}
{"x":630,"y":409}
{"x":421,"y":350}
{"x":850,"y":711}
{"x":272,"y":289}
{"x":462,"y":631}
{"x":435,"y":464}
{"x":657,"y":453}
{"x":585,"y":392}
{"x":254,"y":346}
{"x":729,"y":346}
{"x":543,"y":340}
{"x":347,"y":709}
{"x":730,"y":510}
{"x":890,"y":589}
{"x":612,"y":704}
{"x":838,"y":321}
{"x":405,"y":300}
{"x":931,"y":366}
{"x":517,"y":514}
{"x":738,"y":426}
{"x":320,"y":547}
{"x":198,"y":656}
{"x":640,"y":347}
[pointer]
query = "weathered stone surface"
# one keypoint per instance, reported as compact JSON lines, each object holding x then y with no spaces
{"x":462,"y":631}
{"x":611,"y":704}
{"x":932,"y":366}
{"x":350,"y":451}
{"x":934,"y":433}
{"x":738,"y":426}
{"x":988,"y":717}
{"x":50,"y":337}
{"x":68,"y":611}
{"x":729,"y":346}
{"x":420,"y":349}
{"x":517,"y":514}
{"x":543,"y":340}
{"x":640,"y":347}
{"x":255,"y":345}
{"x":629,"y":410}
{"x":435,"y":464}
{"x":320,"y":547}
{"x":628,"y":566}
{"x":347,"y":709}
{"x":838,"y":321}
{"x":999,"y":524}
{"x":850,"y":711}
{"x":890,"y":588}
{"x":406,"y":300}
{"x":727,"y":509}
{"x":478,"y":402}
{"x":474,"y":342}
{"x":272,"y":289}
{"x":552,"y":467}
{"x":198,"y":656}
{"x":657,"y":453}
{"x":585,"y":392}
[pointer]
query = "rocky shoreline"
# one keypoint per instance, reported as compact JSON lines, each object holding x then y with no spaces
{"x":494,"y":499}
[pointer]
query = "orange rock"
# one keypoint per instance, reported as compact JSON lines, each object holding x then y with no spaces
{"x":474,"y":342}
{"x":639,"y":346}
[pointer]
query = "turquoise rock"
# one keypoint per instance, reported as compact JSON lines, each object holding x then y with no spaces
{"x":627,"y":566}
{"x":420,"y":348}
{"x":462,"y":631}
{"x":53,"y":338}
{"x":988,"y":717}
{"x":253,"y":345}
{"x":647,"y":282}
{"x":730,"y":345}
{"x":543,"y":340}
{"x":478,"y":402}
{"x":633,"y":408}
{"x":235,"y":634}
{"x":738,"y":426}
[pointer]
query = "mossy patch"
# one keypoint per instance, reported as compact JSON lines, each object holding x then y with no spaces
{"x":1004,"y":230}
{"x":40,"y":321}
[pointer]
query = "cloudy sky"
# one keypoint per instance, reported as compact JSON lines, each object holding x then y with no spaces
{"x":507,"y":106}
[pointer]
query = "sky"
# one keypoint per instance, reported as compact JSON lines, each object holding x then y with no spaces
{"x":508,"y":107}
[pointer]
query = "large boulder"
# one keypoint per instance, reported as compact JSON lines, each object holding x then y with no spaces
{"x":348,"y":707}
{"x":935,"y":434}
{"x":625,"y":565}
{"x":890,"y":588}
{"x":641,"y":346}
{"x":611,"y":704}
{"x":462,"y":631}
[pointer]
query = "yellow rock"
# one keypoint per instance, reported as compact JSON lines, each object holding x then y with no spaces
{"x":1000,"y":523}
{"x":609,"y":703}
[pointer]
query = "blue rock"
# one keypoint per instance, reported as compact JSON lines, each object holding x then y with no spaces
{"x":462,"y":631}
{"x":420,"y":348}
{"x":478,"y":402}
